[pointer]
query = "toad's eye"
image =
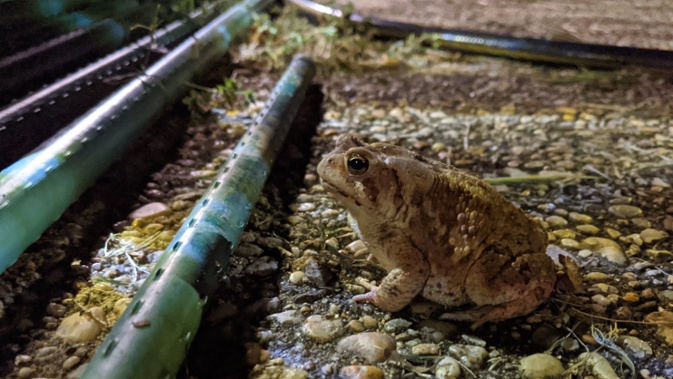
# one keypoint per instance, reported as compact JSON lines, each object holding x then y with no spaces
{"x":357,"y":164}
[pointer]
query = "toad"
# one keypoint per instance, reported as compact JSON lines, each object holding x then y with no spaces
{"x":440,"y":232}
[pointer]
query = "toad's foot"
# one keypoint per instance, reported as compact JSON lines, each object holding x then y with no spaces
{"x":369,"y":297}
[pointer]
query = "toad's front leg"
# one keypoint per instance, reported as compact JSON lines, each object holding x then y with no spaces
{"x":403,"y":282}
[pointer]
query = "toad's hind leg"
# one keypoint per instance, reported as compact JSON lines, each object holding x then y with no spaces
{"x":503,"y":288}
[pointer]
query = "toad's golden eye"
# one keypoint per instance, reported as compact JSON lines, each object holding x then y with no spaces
{"x":357,"y":164}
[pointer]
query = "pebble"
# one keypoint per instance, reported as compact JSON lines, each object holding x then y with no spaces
{"x":447,"y":368}
{"x":650,"y":235}
{"x":588,"y":229}
{"x":373,"y":347}
{"x":262,"y":266}
{"x":71,"y":362}
{"x":571,"y":243}
{"x":606,"y":248}
{"x":580,"y":218}
{"x":149,"y":210}
{"x":585,"y":253}
{"x":306,"y":207}
{"x":356,"y":326}
{"x":322,"y":329}
{"x":25,"y":372}
{"x":425,"y":349}
{"x":296,"y":277}
{"x":57,"y":310}
{"x":664,"y":320}
{"x":369,"y":321}
{"x":625,"y":211}
{"x":361,"y":372}
{"x":540,"y":366}
{"x":396,"y":325}
{"x":639,"y":348}
{"x":668,"y":223}
{"x":556,"y":221}
{"x":612,"y":233}
{"x":287,"y":318}
{"x":78,"y":328}
{"x":631,"y":297}
{"x":641,"y":222}
{"x":596,"y":276}
{"x":44,"y":351}
{"x":470,"y":356}
{"x":565,"y":233}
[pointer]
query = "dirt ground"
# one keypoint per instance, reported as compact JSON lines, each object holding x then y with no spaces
{"x":588,"y":152}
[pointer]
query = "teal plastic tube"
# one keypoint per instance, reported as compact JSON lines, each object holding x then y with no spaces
{"x":151,"y":338}
{"x":36,"y":190}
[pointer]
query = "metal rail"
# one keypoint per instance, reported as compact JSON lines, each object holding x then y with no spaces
{"x":152,"y":336}
{"x":528,"y":49}
{"x":35,"y":190}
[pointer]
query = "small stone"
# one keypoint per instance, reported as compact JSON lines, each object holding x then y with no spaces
{"x":588,"y":229}
{"x":45,"y":351}
{"x":371,"y":346}
{"x":356,"y":326}
{"x":612,"y":233}
{"x":571,"y":243}
{"x":639,"y":348}
{"x":21,"y":359}
{"x":668,"y":223}
{"x":585,"y":253}
{"x":540,"y":366}
{"x":650,"y":235}
{"x":596,"y":276}
{"x":447,"y":368}
{"x":631,"y":297}
{"x":664,"y":321}
{"x":606,"y":248}
{"x":425,"y":349}
{"x":306,"y":207}
{"x":149,"y":210}
{"x":580,"y":218}
{"x":601,"y":300}
{"x":361,"y":372}
{"x":556,"y":221}
{"x":470,"y":356}
{"x":71,"y":362}
{"x":369,"y":321}
{"x":262,"y":266}
{"x":287,"y":318}
{"x":565,"y":233}
{"x":625,"y":211}
{"x":321,"y":328}
{"x":641,"y":222}
{"x":396,"y":325}
{"x":25,"y":372}
{"x":296,"y":277}
{"x":78,"y":328}
{"x":632,"y":238}
{"x":659,"y":182}
{"x":57,"y":310}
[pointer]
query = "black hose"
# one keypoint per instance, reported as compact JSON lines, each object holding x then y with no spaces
{"x":528,"y":49}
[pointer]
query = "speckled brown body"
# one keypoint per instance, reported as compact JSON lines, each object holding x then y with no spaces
{"x":440,"y":232}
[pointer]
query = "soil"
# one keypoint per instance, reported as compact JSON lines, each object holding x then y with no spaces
{"x":606,"y":133}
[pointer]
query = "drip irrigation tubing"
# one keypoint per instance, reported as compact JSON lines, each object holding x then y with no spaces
{"x":27,"y":122}
{"x":35,"y":190}
{"x":528,"y":49}
{"x":151,"y":338}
